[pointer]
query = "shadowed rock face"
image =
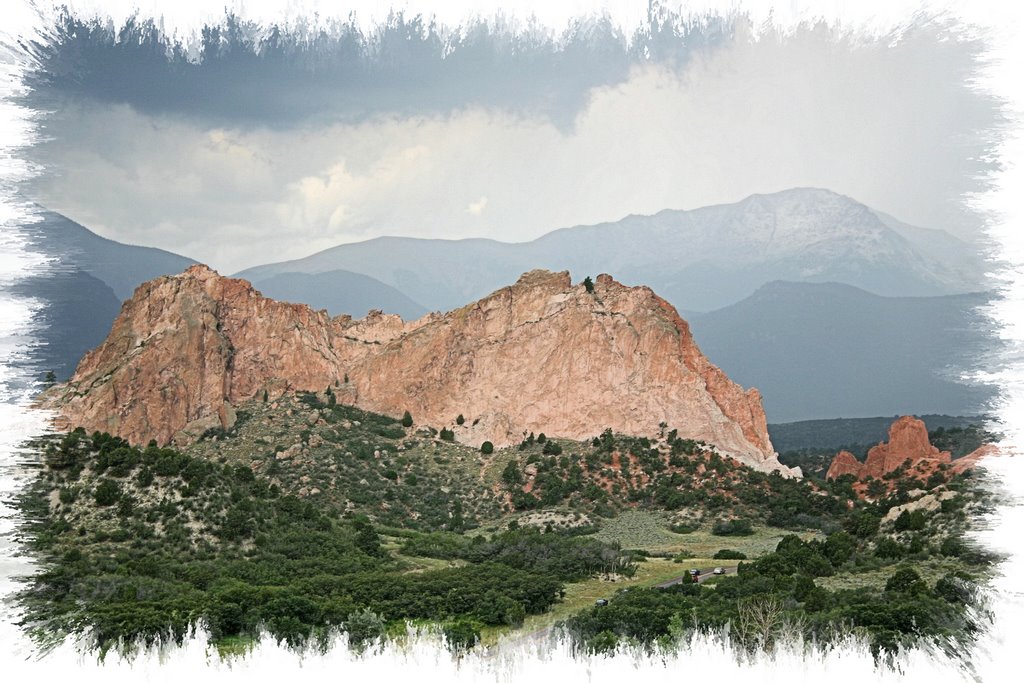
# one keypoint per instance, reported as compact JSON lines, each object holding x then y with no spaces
{"x":540,"y":355}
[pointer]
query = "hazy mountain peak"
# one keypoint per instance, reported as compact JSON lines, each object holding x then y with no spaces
{"x":700,"y":259}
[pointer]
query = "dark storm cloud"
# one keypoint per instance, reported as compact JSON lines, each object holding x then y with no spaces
{"x":239,"y":72}
{"x":249,"y":144}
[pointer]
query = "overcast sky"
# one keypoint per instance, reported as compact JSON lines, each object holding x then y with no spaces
{"x":238,"y":162}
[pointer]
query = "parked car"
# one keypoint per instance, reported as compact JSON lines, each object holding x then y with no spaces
{"x":719,"y":570}
{"x":600,"y":602}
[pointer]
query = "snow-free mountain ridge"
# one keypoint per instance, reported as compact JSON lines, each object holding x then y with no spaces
{"x":700,"y":260}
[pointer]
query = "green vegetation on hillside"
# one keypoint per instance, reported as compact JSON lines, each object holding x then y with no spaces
{"x":308,"y":515}
{"x":891,"y":580}
{"x":343,"y":458}
{"x":143,"y":543}
{"x":616,"y":472}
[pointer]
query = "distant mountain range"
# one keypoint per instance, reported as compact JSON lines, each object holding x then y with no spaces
{"x":84,"y":286}
{"x":832,"y":350}
{"x":341,"y":292}
{"x":90,"y":276}
{"x":700,"y":260}
{"x":873,"y":315}
{"x":121,"y":267}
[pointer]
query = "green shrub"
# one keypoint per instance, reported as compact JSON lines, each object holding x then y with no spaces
{"x":125,"y":505}
{"x":363,"y":628}
{"x":952,"y":547}
{"x":888,"y":549}
{"x":727,"y":554}
{"x":487,"y":448}
{"x":107,"y":493}
{"x":406,"y":416}
{"x":956,"y":588}
{"x":145,"y":477}
{"x":511,"y":475}
{"x":733,"y":527}
{"x":862,"y":523}
{"x":551,"y":448}
{"x":462,"y":634}
{"x":906,"y":580}
{"x":910,"y":521}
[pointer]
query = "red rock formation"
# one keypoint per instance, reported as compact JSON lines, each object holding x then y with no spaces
{"x":908,"y":440}
{"x":844,"y":463}
{"x":540,"y":355}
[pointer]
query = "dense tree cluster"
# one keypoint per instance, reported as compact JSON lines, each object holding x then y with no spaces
{"x":237,"y":554}
{"x":777,"y":595}
{"x":147,"y":542}
{"x":563,"y":554}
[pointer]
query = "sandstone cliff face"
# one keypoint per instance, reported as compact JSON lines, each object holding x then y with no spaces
{"x":540,"y":355}
{"x":908,"y":440}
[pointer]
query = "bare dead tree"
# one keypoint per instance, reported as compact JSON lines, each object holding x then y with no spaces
{"x":760,"y":622}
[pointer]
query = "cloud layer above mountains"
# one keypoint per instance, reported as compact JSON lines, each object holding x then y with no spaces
{"x":238,"y":158}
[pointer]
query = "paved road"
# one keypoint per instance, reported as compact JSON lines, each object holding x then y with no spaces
{"x":705,"y":574}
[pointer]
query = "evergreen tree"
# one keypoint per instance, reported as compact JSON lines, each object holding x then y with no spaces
{"x":456,"y":523}
{"x":367,"y":539}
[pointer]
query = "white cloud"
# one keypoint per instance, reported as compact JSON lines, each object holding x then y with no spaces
{"x":891,"y":126}
{"x":476,"y":208}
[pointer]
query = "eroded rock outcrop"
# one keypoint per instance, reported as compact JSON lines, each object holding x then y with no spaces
{"x":539,"y":355}
{"x":844,"y":463}
{"x":908,"y":443}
